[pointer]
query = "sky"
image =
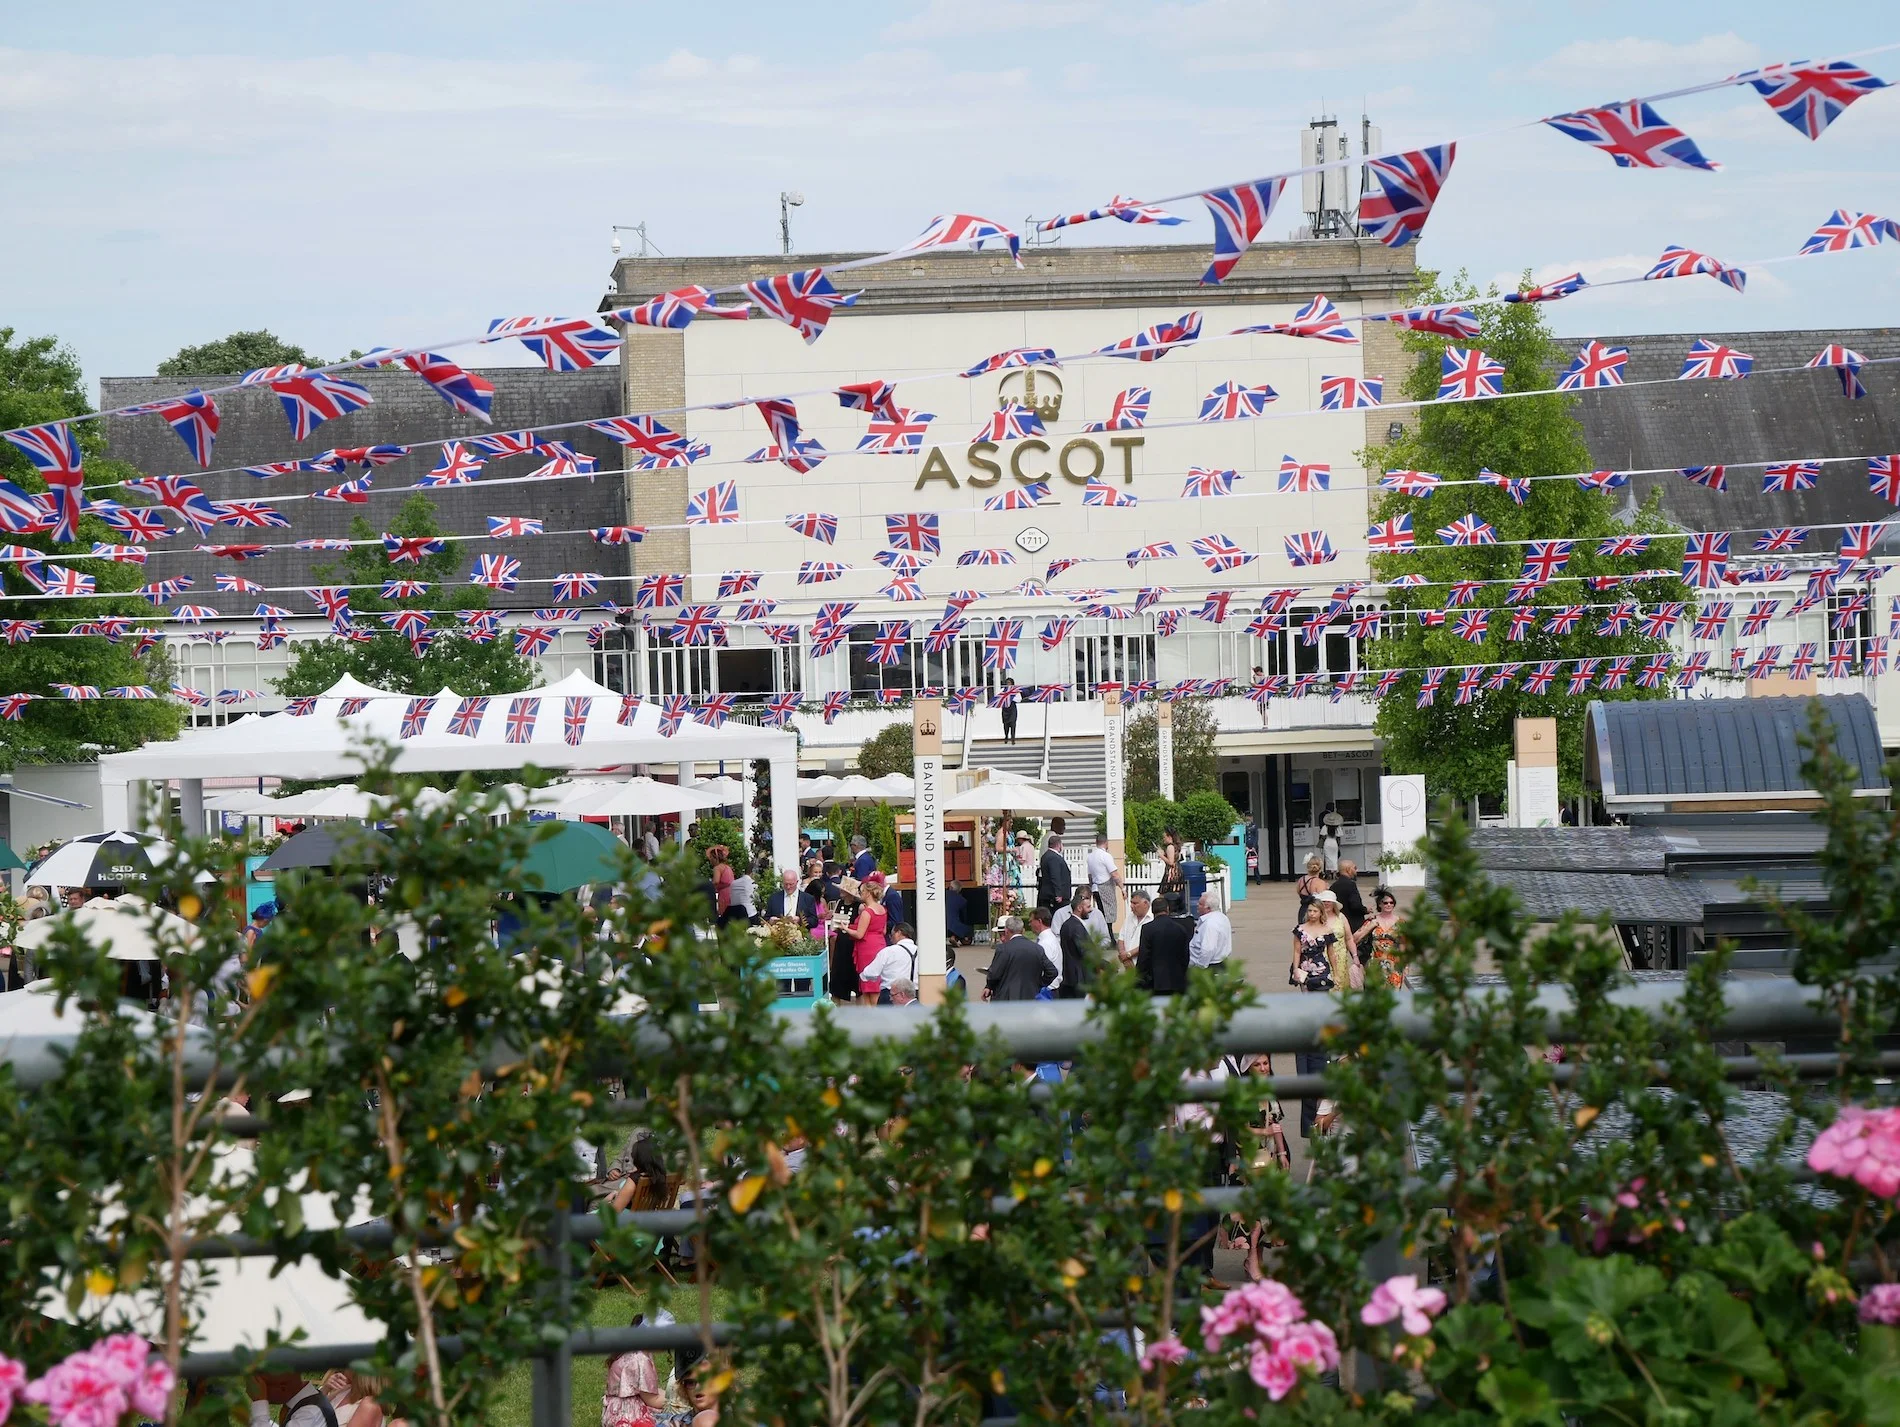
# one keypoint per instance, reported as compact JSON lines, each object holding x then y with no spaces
{"x":352,"y":175}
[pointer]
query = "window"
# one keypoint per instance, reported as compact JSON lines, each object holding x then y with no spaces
{"x":1853,"y":630}
{"x":1347,"y":785}
{"x":866,"y":674}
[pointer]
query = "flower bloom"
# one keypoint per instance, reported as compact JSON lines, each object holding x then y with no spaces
{"x":12,"y":1381}
{"x":83,"y":1391}
{"x":1401,"y":1297}
{"x":1864,"y":1146}
{"x":1881,"y":1304}
{"x":1310,"y":1345}
{"x":1262,"y":1306}
{"x":1273,"y":1371}
{"x":1167,"y":1350}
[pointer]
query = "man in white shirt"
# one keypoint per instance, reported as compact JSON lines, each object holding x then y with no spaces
{"x":300,"y":1403}
{"x":649,"y":845}
{"x":1100,"y":868}
{"x":1137,"y":916}
{"x":1045,"y":936}
{"x":1213,"y":940}
{"x":1084,"y":907}
{"x":896,"y":962}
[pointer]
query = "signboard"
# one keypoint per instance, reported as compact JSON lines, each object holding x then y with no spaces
{"x":1164,"y":748}
{"x":929,"y":894}
{"x":1402,"y":823}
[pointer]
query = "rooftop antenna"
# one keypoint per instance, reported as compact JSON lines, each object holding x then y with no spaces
{"x":639,"y":230}
{"x":788,"y":200}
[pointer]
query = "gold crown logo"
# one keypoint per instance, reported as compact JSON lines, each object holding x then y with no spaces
{"x":1020,"y":387}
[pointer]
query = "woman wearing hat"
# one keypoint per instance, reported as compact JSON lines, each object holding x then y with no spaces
{"x":868,"y":935}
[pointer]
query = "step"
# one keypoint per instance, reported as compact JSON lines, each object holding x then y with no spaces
{"x":1075,"y":764}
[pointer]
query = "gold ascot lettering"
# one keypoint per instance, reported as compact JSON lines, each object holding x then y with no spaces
{"x":1016,"y":461}
{"x":1081,"y":443}
{"x":985,"y":472}
{"x":936,"y":468}
{"x":980,"y":458}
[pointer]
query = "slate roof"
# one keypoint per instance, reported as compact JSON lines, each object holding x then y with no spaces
{"x":1569,"y":849}
{"x":1659,"y":749}
{"x":1626,"y":897}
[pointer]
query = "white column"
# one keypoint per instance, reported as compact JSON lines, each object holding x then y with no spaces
{"x":748,"y":815}
{"x":930,"y":893}
{"x":685,"y":777}
{"x":1164,"y":746}
{"x":115,"y":804}
{"x":1114,"y":782}
{"x":783,"y":770}
{"x":191,"y":806}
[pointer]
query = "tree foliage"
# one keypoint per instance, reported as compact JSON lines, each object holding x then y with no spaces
{"x":238,"y":352}
{"x":41,"y":381}
{"x":887,"y":751}
{"x":1462,"y":749}
{"x":1194,"y":756}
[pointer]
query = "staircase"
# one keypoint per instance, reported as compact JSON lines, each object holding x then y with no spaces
{"x":1075,"y":764}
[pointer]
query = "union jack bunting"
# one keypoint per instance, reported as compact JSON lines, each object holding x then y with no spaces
{"x":899,"y":431}
{"x":466,"y":720}
{"x":1409,"y":185}
{"x":833,"y":705}
{"x":1521,"y":622}
{"x":1840,"y":660}
{"x":118,"y":554}
{"x":1417,"y":483}
{"x":694,"y":624}
{"x":1100,"y":493}
{"x":673,"y":711}
{"x":194,"y":416}
{"x":464,"y":390}
{"x":777,"y":710}
{"x":1429,"y":686}
{"x":415,"y":715}
{"x":959,"y":230}
{"x":354,"y":492}
{"x":1705,"y":559}
{"x":1129,"y":412}
{"x":1011,"y":422}
{"x":1764,"y":662}
{"x":820,"y":572}
{"x":1712,"y":619}
{"x":1167,"y":622}
{"x":1544,"y":560}
{"x":197,"y":698}
{"x":575,"y":584}
{"x":54,"y":453}
{"x":642,"y":434}
{"x":888,"y":643}
{"x":233,"y":552}
{"x":1239,"y":214}
{"x":1467,"y":685}
{"x":1541,"y":676}
{"x":618,"y":534}
{"x":509,"y":527}
{"x":1129,"y":210}
{"x":557,"y":615}
{"x":1594,"y":365}
{"x":1366,"y":625}
{"x":1634,"y":135}
{"x":250,"y":512}
{"x":63,"y":582}
{"x":1550,"y":291}
{"x":1203,"y":481}
{"x":1147,"y":597}
{"x":1446,"y":319}
{"x":1387,"y":680}
{"x":1468,"y":529}
{"x":1350,"y":393}
{"x":1153,"y":343}
{"x":521,"y":716}
{"x":78,"y":691}
{"x":1296,"y":475}
{"x":1876,"y":662}
{"x":236,"y":584}
{"x":692,"y":451}
{"x":1655,"y":672}
{"x":1844,"y":230}
{"x":1023,"y":498}
{"x":781,"y":419}
{"x":311,"y":398}
{"x":1858,"y":541}
{"x":564,"y":463}
{"x":1521,"y":590}
{"x":1462,"y":592}
{"x":132,"y":523}
{"x":1309,"y":547}
{"x":1015,"y":357}
{"x":570,"y":344}
{"x":1693,"y":668}
{"x":629,"y":710}
{"x":943,"y":634}
{"x":1564,"y":619}
{"x":1848,"y":363}
{"x":1714,"y":477}
{"x":1661,"y":622}
{"x":1708,"y":359}
{"x":321,"y":544}
{"x":1801,"y":662}
{"x":738,"y":582}
{"x":514,"y":443}
{"x":1617,"y":621}
{"x":1811,"y":94}
{"x":677,"y":309}
{"x":918,"y":532}
{"x":803,"y":301}
{"x":409,"y":549}
{"x":1231,"y":401}
{"x":495,"y":572}
{"x":1756,"y":619}
{"x":877,"y":397}
{"x":990,"y":556}
{"x":1686,"y":262}
{"x":999,"y":645}
{"x":1501,"y":680}
{"x":1055,"y":631}
{"x":340,"y":458}
{"x":1883,"y":477}
{"x":816,"y":524}
{"x":161,"y":590}
{"x":1583,"y":673}
{"x":1618,"y":672}
{"x":406,"y":621}
{"x":1472,"y":625}
{"x":1155,"y":550}
{"x":1218,"y":553}
{"x":1790,"y":476}
{"x":658,"y":591}
{"x":1319,"y":319}
{"x":1466,"y":374}
{"x":716,"y":505}
{"x":533,"y":639}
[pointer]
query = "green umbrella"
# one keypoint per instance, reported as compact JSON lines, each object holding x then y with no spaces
{"x":9,"y":859}
{"x":577,"y":853}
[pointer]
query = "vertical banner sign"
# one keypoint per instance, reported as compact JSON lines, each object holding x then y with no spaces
{"x":1164,"y":747}
{"x":1114,"y":785}
{"x":929,"y":894}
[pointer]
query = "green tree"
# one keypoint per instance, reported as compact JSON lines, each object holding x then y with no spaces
{"x":1463,"y":749}
{"x":41,"y":381}
{"x":887,"y":751}
{"x":239,"y":352}
{"x":1194,"y":758}
{"x":387,"y":659}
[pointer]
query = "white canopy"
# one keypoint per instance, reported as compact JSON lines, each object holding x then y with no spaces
{"x":1027,"y":799}
{"x":247,"y":802}
{"x":634,"y":797}
{"x":726,"y":790}
{"x":123,"y":925}
{"x":853,"y":791}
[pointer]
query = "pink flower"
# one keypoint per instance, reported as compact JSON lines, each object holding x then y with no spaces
{"x":1265,"y":1307}
{"x":1310,"y":1346}
{"x":152,"y":1393}
{"x":12,"y":1380}
{"x":1401,"y":1297}
{"x":1167,"y":1350}
{"x":1881,"y":1304}
{"x":122,"y":1356}
{"x":1864,"y":1146}
{"x":1273,"y":1371}
{"x":83,"y":1391}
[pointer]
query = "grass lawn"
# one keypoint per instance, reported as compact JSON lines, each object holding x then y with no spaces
{"x":614,"y":1308}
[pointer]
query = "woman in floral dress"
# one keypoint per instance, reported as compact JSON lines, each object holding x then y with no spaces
{"x":633,"y":1397}
{"x":1381,"y":932}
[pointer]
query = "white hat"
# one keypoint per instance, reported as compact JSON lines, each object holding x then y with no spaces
{"x":1326,"y":897}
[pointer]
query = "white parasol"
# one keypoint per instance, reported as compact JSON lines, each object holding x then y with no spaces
{"x":124,"y":927}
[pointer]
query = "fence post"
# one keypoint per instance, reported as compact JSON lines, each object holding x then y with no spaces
{"x":553,"y":1384}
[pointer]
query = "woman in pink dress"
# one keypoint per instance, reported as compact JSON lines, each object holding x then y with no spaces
{"x":634,"y":1394}
{"x":869,"y":933}
{"x":722,"y":878}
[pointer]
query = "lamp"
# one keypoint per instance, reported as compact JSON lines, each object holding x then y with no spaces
{"x":787,"y":201}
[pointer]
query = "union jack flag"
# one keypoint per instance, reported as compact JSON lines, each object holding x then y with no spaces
{"x":1544,"y":560}
{"x":629,"y":710}
{"x":778,"y":709}
{"x":643,"y":434}
{"x":409,"y":549}
{"x":562,"y":344}
{"x":678,"y":308}
{"x":1204,"y":481}
{"x":903,"y":588}
{"x":354,"y":492}
{"x":1564,"y":619}
{"x":531,"y":639}
{"x":1129,"y":413}
{"x":990,"y":556}
{"x":1617,"y":621}
{"x":1634,"y":135}
{"x":1129,"y":210}
{"x":1015,"y":357}
{"x":716,"y":505}
{"x":1309,"y":547}
{"x":1790,"y":476}
{"x":1155,"y":550}
{"x":1765,"y":661}
{"x":1350,"y":393}
{"x":1024,"y":498}
{"x":1521,"y":622}
{"x":877,"y":397}
{"x":1583,"y":672}
{"x":119,"y":554}
{"x":1714,"y":477}
{"x":78,"y":691}
{"x":321,"y":544}
{"x":803,"y":301}
{"x":1231,"y":401}
{"x":1876,"y":662}
{"x":888,"y":644}
{"x":1366,"y":625}
{"x":1693,"y":668}
{"x":816,"y":524}
{"x":674,"y":709}
{"x":406,"y":621}
{"x":1549,"y":291}
{"x":1594,"y":365}
{"x":61,"y":581}
{"x":1055,"y":631}
{"x":1844,"y":230}
{"x":1167,"y":622}
{"x":1501,"y":680}
{"x":575,"y":584}
{"x":1801,"y":664}
{"x":1618,"y":671}
{"x":1319,"y":319}
{"x":1678,"y":261}
{"x":1446,"y":319}
{"x":1219,"y":552}
{"x":834,"y":612}
{"x":694,"y":624}
{"x":1100,"y":493}
{"x":1811,"y":94}
{"x":1468,"y":529}
{"x":921,"y":532}
{"x":495,"y":572}
{"x":1466,"y":374}
{"x":1847,"y":362}
{"x":820,"y":572}
{"x":1883,"y":477}
{"x":250,"y":512}
{"x":1462,"y":592}
{"x":563,"y":464}
{"x":1712,"y":619}
{"x":54,"y":452}
{"x":1541,"y":676}
{"x":510,"y":443}
{"x":1417,"y":483}
{"x":194,"y":416}
{"x":738,"y":582}
{"x":957,"y":230}
{"x":1858,"y":541}
{"x":1840,"y":661}
{"x":161,"y":590}
{"x":1388,"y":679}
{"x":1409,"y":185}
{"x":1153,"y":343}
{"x":896,"y":432}
{"x":1705,"y":559}
{"x":521,"y":717}
{"x":1472,"y":625}
{"x":135,"y":523}
{"x":237,"y":584}
{"x":943,"y":634}
{"x":1467,"y":684}
{"x":1708,"y":359}
{"x":1655,"y":672}
{"x":1661,"y":622}
{"x":999,"y":645}
{"x":415,"y":715}
{"x":467,"y":393}
{"x":833,"y":705}
{"x":1304,"y":476}
{"x":310,"y":398}
{"x":510,"y":527}
{"x":1429,"y":686}
{"x":1011,"y":422}
{"x":1239,"y":214}
{"x":338,"y":458}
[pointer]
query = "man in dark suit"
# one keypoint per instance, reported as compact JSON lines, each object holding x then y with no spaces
{"x":1161,"y":966}
{"x":1019,"y":969}
{"x":789,"y":901}
{"x":1346,"y":887}
{"x":1052,"y":877}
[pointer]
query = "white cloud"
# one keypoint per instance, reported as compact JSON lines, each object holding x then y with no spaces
{"x":968,"y":19}
{"x":1632,"y":64}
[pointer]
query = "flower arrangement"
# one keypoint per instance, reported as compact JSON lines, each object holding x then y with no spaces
{"x":1864,"y":1146}
{"x":785,"y":935}
{"x":95,"y":1387}
{"x":1281,"y":1347}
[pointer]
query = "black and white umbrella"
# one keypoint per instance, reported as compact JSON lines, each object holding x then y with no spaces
{"x":101,"y":859}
